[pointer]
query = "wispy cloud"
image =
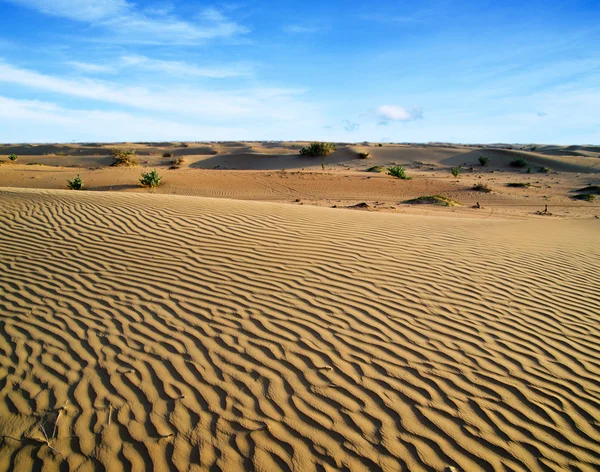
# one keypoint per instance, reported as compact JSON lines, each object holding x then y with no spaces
{"x":90,"y":67}
{"x":394,"y":113}
{"x":255,"y":103}
{"x":128,"y":24}
{"x":300,"y":29}
{"x":182,"y":68}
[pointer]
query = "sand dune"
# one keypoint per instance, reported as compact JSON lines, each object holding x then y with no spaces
{"x":182,"y":333}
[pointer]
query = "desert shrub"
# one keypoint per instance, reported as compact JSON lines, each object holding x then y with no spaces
{"x":483,"y":160}
{"x":518,"y":185}
{"x":364,"y":155}
{"x":533,"y":148}
{"x":594,"y":189}
{"x":12,"y":157}
{"x":75,"y":184}
{"x":177,"y":163}
{"x":168,"y":154}
{"x":380,"y":145}
{"x":124,"y":157}
{"x":398,"y":172}
{"x":150,"y":179}
{"x":545,"y":170}
{"x":184,"y":145}
{"x":377,"y":169}
{"x":456,"y":171}
{"x":433,"y":200}
{"x":588,"y":197}
{"x":480,"y":187}
{"x":318,"y":149}
{"x":519,"y":162}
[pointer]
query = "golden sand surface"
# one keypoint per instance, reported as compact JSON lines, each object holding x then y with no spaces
{"x":158,"y":332}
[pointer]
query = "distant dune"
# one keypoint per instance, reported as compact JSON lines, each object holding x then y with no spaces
{"x":142,"y":331}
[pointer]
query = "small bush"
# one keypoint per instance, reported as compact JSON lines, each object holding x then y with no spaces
{"x":124,"y":157}
{"x":588,"y":197}
{"x":177,"y":163}
{"x":364,"y":155}
{"x":456,"y":171}
{"x":75,"y":184}
{"x":318,"y":149}
{"x":380,"y":145}
{"x":482,"y":188}
{"x":378,"y":169}
{"x":150,"y":179}
{"x":184,"y":145}
{"x":483,"y":160}
{"x":398,"y":172}
{"x":545,"y":170}
{"x":168,"y":154}
{"x":519,"y":162}
{"x":518,"y":185}
{"x":12,"y":157}
{"x":433,"y":200}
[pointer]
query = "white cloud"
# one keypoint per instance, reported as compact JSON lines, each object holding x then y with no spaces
{"x":389,"y":113}
{"x":254,"y":103}
{"x":183,"y":68}
{"x":90,"y":67}
{"x":300,"y":29}
{"x":129,"y":25}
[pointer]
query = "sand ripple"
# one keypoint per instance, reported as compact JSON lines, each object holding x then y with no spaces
{"x":197,"y":334}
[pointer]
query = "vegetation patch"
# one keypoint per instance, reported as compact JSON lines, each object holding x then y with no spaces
{"x":168,"y":154}
{"x":12,"y":157}
{"x":519,"y":162}
{"x":364,"y":155}
{"x":518,"y":185}
{"x":439,"y":200}
{"x":483,"y":160}
{"x":588,"y":197}
{"x":150,"y":179}
{"x":398,"y":172}
{"x":378,"y":169}
{"x":480,"y":187}
{"x":545,"y":170}
{"x":75,"y":184}
{"x":177,"y":163}
{"x":124,"y":158}
{"x":456,"y":171}
{"x":318,"y":149}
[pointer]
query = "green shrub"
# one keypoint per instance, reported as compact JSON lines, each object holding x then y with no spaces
{"x":364,"y":155}
{"x":456,"y":171}
{"x":124,"y":157}
{"x":588,"y":197}
{"x":318,"y":149}
{"x":168,"y":154}
{"x":398,"y":172}
{"x":483,"y":160}
{"x":380,"y":145}
{"x":150,"y":179}
{"x":184,"y":145}
{"x":61,"y":154}
{"x":482,"y":188}
{"x":433,"y":200}
{"x":519,"y":162}
{"x":75,"y":184}
{"x":378,"y":169}
{"x":12,"y":157}
{"x":545,"y":170}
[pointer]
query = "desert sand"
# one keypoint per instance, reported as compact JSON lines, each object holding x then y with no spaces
{"x":150,"y":331}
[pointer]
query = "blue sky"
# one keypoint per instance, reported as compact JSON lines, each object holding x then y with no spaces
{"x":126,"y":70}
